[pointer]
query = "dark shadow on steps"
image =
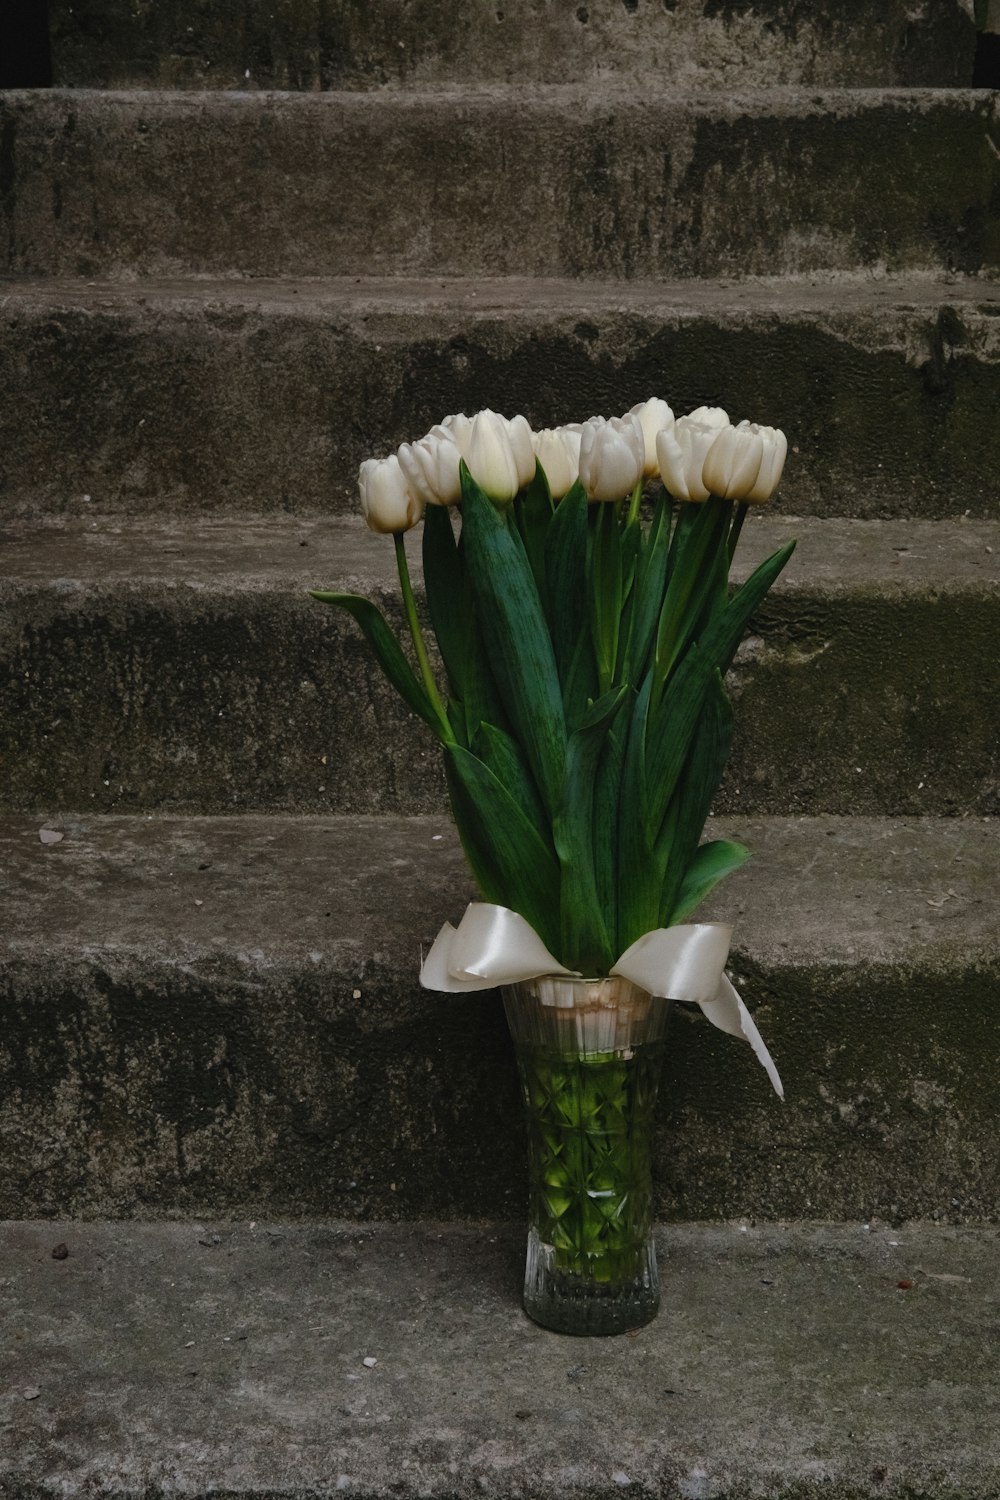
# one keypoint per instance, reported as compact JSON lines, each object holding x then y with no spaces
{"x":25,"y":58}
{"x":986,"y":74}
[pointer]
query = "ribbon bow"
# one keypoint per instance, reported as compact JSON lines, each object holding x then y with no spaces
{"x":492,"y":946}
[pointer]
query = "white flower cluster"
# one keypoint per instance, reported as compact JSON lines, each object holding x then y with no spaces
{"x":695,"y":456}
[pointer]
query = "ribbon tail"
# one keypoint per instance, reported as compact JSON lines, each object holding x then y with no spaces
{"x":728,"y":1012}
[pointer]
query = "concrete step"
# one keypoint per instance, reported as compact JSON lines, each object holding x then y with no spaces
{"x":181,"y":665}
{"x":814,"y":1360}
{"x":541,"y":181}
{"x":189,"y":395}
{"x":400,"y":43}
{"x":222,"y":1016}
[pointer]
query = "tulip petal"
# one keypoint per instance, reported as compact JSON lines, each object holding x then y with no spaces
{"x":670,"y":457}
{"x":772,"y":465}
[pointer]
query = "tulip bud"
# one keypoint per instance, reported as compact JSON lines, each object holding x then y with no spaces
{"x":681,"y":452}
{"x":771,"y":464}
{"x":459,"y":428}
{"x":431,"y":467}
{"x":387,"y":502}
{"x":558,"y":451}
{"x":733,"y":462}
{"x":710,"y":416}
{"x":653,"y":416}
{"x":611,"y":457}
{"x":524,"y":449}
{"x":490,"y":457}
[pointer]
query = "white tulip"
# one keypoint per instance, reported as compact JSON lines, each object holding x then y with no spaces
{"x":654,"y":415}
{"x":612,"y":454}
{"x":431,"y":467}
{"x":558,"y":451}
{"x":387,"y":502}
{"x":709,"y":416}
{"x":681,"y":451}
{"x":771,"y":464}
{"x":733,"y":462}
{"x":490,"y":457}
{"x":524,"y":449}
{"x":459,"y":428}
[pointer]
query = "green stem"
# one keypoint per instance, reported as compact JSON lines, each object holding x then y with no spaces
{"x":633,"y":509}
{"x":416,"y":634}
{"x":737,"y":527}
{"x":589,"y":1131}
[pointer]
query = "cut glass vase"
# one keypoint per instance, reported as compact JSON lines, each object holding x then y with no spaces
{"x":589,"y":1054}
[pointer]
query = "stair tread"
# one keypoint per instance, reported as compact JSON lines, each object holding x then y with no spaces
{"x":798,"y":98}
{"x":277,"y":889}
{"x":826,"y":1360}
{"x":222,"y":554}
{"x":816,"y":292}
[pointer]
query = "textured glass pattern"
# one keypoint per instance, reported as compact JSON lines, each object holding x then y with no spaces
{"x":589,"y":1054}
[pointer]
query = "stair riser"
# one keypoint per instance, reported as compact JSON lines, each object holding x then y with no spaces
{"x":240,"y":401}
{"x":547,"y":185}
{"x":214,"y":701}
{"x":135,"y":1087}
{"x":289,"y":45}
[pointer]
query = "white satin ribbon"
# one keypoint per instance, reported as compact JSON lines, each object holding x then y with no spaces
{"x":493,"y":945}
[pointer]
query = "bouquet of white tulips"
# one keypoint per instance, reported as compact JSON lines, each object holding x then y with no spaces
{"x":584,"y":631}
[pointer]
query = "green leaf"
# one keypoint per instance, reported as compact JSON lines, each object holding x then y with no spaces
{"x":502,"y":755}
{"x":581,"y":684}
{"x":513,"y":866}
{"x":607,"y":792}
{"x":605,"y":591}
{"x":566,"y":577}
{"x":693,"y":581}
{"x":632,"y":544}
{"x":734,"y":619}
{"x":516,"y":637}
{"x":671,"y":727}
{"x":696,"y":790}
{"x":640,"y":878}
{"x":585,"y":933}
{"x":380,"y":636}
{"x":447,"y":594}
{"x":650,"y":583}
{"x":599,"y":714}
{"x":711,"y":863}
{"x":673,"y":721}
{"x":687,"y":513}
{"x":534,"y":513}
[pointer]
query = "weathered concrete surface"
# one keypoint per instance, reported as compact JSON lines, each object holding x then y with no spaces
{"x":203,"y":396}
{"x":194,"y":1360}
{"x":223,"y":1016}
{"x":310,"y":44}
{"x":559,"y":181}
{"x":182,"y":666}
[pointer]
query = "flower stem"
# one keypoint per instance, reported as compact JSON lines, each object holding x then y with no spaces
{"x":416,"y":634}
{"x":589,"y":1121}
{"x":633,"y":509}
{"x":737,"y":527}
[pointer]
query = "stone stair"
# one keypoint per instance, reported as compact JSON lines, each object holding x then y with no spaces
{"x":311,"y":1360}
{"x":216,"y":301}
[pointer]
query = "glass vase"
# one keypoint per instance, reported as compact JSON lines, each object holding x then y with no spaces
{"x":589,"y":1054}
